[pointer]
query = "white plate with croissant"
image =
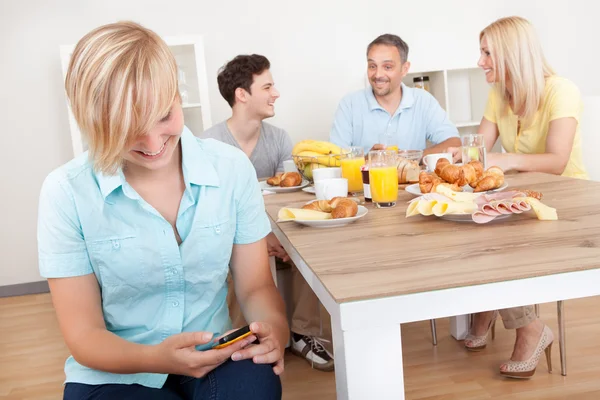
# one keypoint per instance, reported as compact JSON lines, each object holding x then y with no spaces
{"x":337,"y":212}
{"x":416,"y":191}
{"x":284,"y":183}
{"x":470,"y":177}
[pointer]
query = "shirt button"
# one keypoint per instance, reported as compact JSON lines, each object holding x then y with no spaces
{"x":218,"y":230}
{"x":174,"y":271}
{"x":116,"y":245}
{"x":175,"y":303}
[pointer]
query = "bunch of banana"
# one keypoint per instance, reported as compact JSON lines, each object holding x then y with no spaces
{"x":307,"y":152}
{"x":317,"y":147}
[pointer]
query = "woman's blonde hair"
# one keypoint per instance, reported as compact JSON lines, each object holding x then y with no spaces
{"x":121,"y":81}
{"x":519,"y":62}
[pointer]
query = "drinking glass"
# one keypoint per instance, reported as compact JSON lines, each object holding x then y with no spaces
{"x":473,"y":148}
{"x":383,"y":177}
{"x":353,"y":158}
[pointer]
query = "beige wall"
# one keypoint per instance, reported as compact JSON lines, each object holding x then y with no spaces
{"x":316,"y":48}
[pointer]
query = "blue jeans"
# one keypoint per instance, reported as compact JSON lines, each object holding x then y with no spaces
{"x":231,"y":381}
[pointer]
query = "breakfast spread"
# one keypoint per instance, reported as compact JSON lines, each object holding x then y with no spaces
{"x":454,"y":177}
{"x":288,"y":179}
{"x":481,"y":207}
{"x":336,"y":208}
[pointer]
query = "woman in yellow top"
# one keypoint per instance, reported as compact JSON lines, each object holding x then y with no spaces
{"x":536,"y":115}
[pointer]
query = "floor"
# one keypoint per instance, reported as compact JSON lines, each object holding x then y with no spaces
{"x":32,"y":354}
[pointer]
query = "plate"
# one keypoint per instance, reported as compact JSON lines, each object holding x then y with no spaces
{"x":265,"y":186}
{"x":416,"y":191}
{"x":310,"y":189}
{"x":334,"y":223}
{"x":468,"y":218}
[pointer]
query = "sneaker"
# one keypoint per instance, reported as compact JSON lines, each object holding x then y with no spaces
{"x":312,"y":350}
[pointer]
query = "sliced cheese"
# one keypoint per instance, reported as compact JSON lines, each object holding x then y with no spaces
{"x":465,"y":197}
{"x":454,"y":207}
{"x":290,"y":214}
{"x":543,"y":212}
{"x":413,"y":209}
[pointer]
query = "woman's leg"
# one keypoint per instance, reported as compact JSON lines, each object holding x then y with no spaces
{"x":236,"y":380}
{"x":80,"y":391}
{"x":529,"y":330}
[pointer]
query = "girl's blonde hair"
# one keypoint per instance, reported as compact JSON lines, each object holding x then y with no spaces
{"x":121,"y":81}
{"x":518,"y":61}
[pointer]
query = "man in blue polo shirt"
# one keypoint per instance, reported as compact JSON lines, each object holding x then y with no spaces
{"x":389,"y":112}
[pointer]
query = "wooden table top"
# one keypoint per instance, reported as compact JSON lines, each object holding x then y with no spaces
{"x":385,"y":254}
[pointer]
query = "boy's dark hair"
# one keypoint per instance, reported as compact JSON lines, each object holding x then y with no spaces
{"x":239,"y":73}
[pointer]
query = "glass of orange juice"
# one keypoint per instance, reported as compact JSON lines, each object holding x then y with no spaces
{"x":352,"y":159}
{"x":383,"y":177}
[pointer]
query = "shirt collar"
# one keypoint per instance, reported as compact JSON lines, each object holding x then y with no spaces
{"x":408,"y":99}
{"x":196,"y":167}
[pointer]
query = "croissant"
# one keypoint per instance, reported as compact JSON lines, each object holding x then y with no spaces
{"x":427,"y":180}
{"x":339,"y":207}
{"x":455,"y":174}
{"x":492,"y":179}
{"x":319,"y":205}
{"x":343,"y":208}
{"x":290,"y":179}
{"x":428,"y":183}
{"x":275,"y":180}
{"x":478,"y":166}
{"x":441,"y":163}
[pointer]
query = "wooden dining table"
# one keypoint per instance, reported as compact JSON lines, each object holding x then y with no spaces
{"x":384,"y":269}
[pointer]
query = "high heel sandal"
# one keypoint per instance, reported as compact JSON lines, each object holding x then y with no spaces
{"x":526,"y":369}
{"x":479,"y":343}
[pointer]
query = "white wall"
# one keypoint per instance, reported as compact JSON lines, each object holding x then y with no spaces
{"x":317,"y":49}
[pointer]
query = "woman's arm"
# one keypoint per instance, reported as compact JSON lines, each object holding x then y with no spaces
{"x":77,"y":303}
{"x":260,"y":302}
{"x":489,"y":130}
{"x":559,"y":144}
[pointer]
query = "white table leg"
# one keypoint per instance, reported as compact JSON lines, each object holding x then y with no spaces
{"x":459,"y":326}
{"x":368,"y":363}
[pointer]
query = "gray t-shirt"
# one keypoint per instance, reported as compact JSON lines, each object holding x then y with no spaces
{"x":274,"y":146}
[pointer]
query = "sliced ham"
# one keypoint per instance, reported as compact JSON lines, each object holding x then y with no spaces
{"x":482,"y":218}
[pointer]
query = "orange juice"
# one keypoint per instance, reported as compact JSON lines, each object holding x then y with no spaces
{"x":384,"y":184}
{"x":351,"y":171}
{"x":394,"y":147}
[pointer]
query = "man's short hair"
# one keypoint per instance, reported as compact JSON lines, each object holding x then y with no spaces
{"x":239,"y":73}
{"x":391,"y":40}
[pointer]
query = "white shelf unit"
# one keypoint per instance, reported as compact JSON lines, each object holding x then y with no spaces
{"x":189,"y":54}
{"x":461,"y":92}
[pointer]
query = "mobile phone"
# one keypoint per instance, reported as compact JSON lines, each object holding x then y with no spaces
{"x":233,"y":337}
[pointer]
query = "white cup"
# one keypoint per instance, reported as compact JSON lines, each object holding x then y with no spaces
{"x":327,"y":189}
{"x":326,"y":173}
{"x":430,"y":160}
{"x":289,"y":166}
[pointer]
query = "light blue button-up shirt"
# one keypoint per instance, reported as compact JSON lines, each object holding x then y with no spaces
{"x":151,"y":287}
{"x":361,"y":121}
